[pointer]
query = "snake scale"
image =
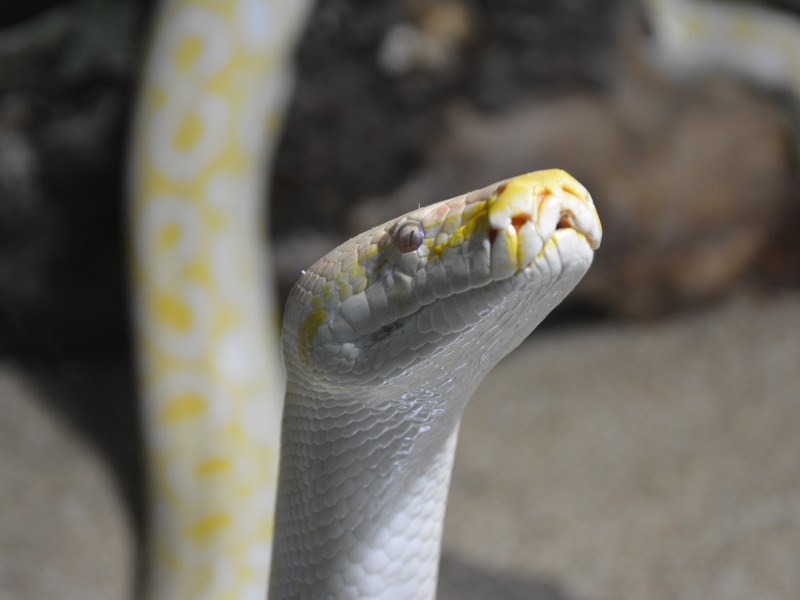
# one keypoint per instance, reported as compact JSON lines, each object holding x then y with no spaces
{"x":384,"y":339}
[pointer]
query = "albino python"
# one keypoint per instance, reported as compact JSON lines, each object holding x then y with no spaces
{"x":755,"y":42}
{"x":384,"y":339}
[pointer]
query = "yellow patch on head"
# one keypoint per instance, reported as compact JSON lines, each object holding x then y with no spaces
{"x":521,"y":195}
{"x":471,"y":221}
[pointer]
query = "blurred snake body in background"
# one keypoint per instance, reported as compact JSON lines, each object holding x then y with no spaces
{"x":210,"y":106}
{"x":690,"y":37}
{"x":384,"y":339}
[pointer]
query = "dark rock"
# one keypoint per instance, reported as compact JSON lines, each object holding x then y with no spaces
{"x":690,"y":181}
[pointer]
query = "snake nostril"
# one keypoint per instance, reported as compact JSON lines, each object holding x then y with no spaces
{"x":519,"y":221}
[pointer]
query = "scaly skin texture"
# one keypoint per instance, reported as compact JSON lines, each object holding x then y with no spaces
{"x":384,"y":342}
{"x":209,"y":109}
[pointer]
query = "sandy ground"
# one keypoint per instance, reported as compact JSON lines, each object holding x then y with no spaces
{"x":648,"y":461}
{"x":63,"y":530}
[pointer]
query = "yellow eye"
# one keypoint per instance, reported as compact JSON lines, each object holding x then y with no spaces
{"x":409,"y":236}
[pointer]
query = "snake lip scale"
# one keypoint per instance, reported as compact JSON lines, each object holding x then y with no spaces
{"x":384,"y":341}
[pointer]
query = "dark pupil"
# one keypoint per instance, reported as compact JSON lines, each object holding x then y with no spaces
{"x":410,"y":238}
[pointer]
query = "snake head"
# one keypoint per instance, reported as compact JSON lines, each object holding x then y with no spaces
{"x":455,"y":283}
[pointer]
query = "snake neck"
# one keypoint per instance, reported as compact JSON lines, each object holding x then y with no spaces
{"x":361,"y":497}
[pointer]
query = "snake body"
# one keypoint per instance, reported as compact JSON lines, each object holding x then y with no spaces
{"x":209,"y":109}
{"x":384,"y":339}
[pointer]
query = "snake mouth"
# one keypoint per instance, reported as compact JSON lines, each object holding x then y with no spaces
{"x":565,"y":221}
{"x":527,"y":212}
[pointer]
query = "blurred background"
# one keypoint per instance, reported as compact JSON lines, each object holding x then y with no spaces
{"x":645,"y":443}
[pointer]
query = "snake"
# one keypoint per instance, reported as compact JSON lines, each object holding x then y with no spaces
{"x":383,"y":340}
{"x":751,"y":40}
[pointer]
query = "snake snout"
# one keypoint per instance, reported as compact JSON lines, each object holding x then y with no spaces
{"x":526,"y":212}
{"x":587,"y":227}
{"x":569,"y":207}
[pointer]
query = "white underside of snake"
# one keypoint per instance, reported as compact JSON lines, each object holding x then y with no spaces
{"x":384,"y":339}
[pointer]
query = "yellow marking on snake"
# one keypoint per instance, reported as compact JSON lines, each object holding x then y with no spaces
{"x":474,"y":221}
{"x":308,"y":330}
{"x":187,"y":52}
{"x":173,"y":311}
{"x":209,"y":361}
{"x":212,"y":467}
{"x":188,"y":132}
{"x":183,"y":406}
{"x":209,"y":528}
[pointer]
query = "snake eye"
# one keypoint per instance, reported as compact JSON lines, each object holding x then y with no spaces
{"x":409,"y":236}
